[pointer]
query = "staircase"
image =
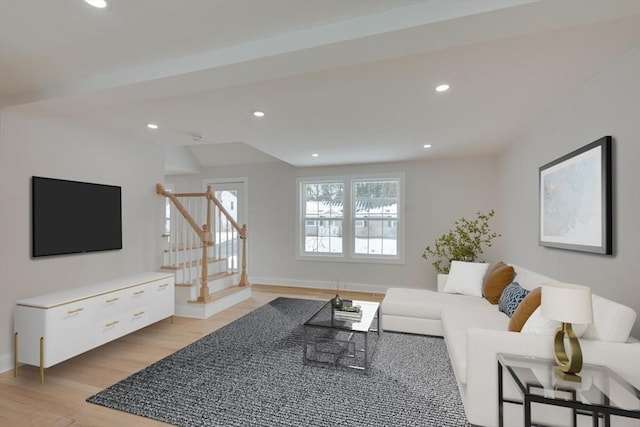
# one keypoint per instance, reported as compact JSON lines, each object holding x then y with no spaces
{"x":204,"y":258}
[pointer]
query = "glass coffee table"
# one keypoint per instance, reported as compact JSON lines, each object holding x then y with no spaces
{"x":342,"y":343}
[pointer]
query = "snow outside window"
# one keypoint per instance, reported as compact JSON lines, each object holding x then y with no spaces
{"x":374,"y":215}
{"x":323,"y":204}
{"x":352,"y":218}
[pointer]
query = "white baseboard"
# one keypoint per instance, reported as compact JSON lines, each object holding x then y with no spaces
{"x":314,"y":284}
{"x":6,"y":362}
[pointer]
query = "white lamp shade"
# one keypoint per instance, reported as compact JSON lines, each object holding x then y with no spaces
{"x":567,"y":303}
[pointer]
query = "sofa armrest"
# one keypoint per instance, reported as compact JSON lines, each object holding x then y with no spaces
{"x":442,"y":280}
{"x":482,"y":381}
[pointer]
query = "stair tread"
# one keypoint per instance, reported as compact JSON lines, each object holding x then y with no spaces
{"x":190,"y":264}
{"x":210,"y":278}
{"x":220,"y":275}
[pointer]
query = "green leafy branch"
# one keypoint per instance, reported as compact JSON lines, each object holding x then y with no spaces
{"x":464,"y":243}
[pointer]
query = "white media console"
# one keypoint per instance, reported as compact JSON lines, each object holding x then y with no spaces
{"x":55,"y":327}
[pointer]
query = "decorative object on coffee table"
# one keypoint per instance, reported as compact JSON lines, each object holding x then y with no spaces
{"x":567,"y":304}
{"x":336,"y":302}
{"x":464,"y":243}
{"x":347,"y":312}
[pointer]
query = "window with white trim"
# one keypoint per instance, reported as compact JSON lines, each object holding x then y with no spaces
{"x":375,"y":206}
{"x":351,"y":218}
{"x":322,"y":210}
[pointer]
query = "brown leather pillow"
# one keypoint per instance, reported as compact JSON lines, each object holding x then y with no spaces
{"x":525,"y":309}
{"x":496,"y":280}
{"x":495,"y":266}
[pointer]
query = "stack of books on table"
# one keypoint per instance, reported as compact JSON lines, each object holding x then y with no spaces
{"x":348,"y":312}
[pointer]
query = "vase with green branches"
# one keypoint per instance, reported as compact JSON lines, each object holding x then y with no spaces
{"x":465,"y":242}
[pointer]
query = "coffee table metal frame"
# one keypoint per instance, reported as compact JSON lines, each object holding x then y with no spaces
{"x":344,"y":334}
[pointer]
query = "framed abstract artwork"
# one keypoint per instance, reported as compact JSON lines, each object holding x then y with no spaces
{"x":575,"y":195}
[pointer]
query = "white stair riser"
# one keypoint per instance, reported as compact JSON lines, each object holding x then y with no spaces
{"x":190,"y":293}
{"x":186,"y":293}
{"x":223,"y":283}
{"x":185,"y":275}
{"x":204,"y":311}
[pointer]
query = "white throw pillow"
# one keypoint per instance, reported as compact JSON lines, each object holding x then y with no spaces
{"x":536,"y":324}
{"x":466,"y":278}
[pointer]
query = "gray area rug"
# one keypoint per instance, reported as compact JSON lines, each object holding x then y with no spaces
{"x":250,"y":373}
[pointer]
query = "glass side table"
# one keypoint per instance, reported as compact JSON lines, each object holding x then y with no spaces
{"x":601,"y":394}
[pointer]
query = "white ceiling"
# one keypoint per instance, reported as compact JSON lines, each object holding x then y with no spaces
{"x":351,"y":80}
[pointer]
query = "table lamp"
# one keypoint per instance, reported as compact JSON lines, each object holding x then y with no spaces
{"x":567,"y":304}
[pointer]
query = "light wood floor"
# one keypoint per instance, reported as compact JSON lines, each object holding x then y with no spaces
{"x":61,"y":400}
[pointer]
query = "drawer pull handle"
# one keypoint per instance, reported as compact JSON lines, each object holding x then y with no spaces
{"x":140,"y":313}
{"x":109,"y":301}
{"x":77,"y":310}
{"x":138,"y":293}
{"x":164,"y":285}
{"x":115,"y":322}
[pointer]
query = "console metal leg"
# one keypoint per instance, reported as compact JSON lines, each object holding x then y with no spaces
{"x":41,"y":360}
{"x":16,"y":353}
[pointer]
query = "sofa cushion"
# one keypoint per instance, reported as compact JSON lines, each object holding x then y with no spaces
{"x":529,"y":279}
{"x":456,"y":321}
{"x":611,"y":321}
{"x":466,"y":278}
{"x":425,"y":304}
{"x":498,"y":278}
{"x":511,"y":297}
{"x":525,"y":309}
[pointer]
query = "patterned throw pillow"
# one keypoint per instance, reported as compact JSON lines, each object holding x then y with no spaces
{"x":511,"y":298}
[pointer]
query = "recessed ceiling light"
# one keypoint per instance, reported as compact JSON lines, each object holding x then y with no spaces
{"x":100,"y":4}
{"x":427,"y":145}
{"x":315,"y":155}
{"x":152,"y":126}
{"x":442,"y":88}
{"x":258,"y":113}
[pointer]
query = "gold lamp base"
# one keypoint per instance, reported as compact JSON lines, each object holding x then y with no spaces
{"x":569,"y":365}
{"x":575,"y":378}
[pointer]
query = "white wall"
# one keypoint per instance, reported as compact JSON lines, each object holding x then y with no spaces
{"x":60,"y":148}
{"x":179,"y":160}
{"x":437,"y":193}
{"x":608,"y":105}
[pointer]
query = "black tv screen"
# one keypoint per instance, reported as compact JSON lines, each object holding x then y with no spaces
{"x":69,"y":217}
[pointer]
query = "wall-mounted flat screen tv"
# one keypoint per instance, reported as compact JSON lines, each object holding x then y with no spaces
{"x":69,"y":217}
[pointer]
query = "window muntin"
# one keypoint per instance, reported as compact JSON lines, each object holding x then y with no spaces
{"x":323,"y":214}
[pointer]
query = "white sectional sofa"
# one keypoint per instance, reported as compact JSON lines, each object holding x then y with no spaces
{"x":475,"y":332}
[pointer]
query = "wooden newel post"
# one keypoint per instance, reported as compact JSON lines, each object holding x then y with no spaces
{"x":244,"y":281}
{"x":204,"y":281}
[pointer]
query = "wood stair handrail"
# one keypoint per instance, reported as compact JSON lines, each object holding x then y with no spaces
{"x":194,"y":225}
{"x":204,"y":233}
